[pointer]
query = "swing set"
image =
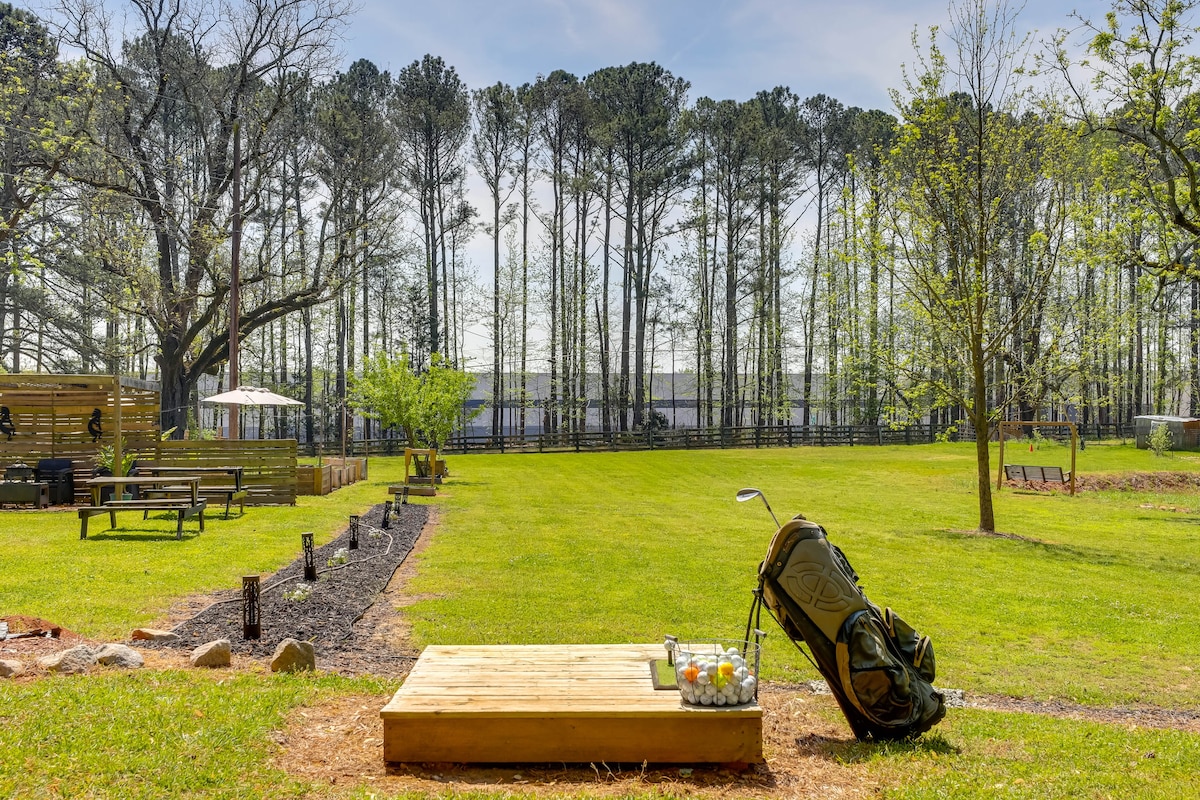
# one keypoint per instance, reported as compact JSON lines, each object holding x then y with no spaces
{"x":1044,"y":474}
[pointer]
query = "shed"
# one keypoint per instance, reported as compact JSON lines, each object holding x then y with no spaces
{"x":1185,"y":431}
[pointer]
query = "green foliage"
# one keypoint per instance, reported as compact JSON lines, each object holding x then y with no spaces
{"x":106,"y":458}
{"x":1159,"y":439}
{"x":427,"y":407}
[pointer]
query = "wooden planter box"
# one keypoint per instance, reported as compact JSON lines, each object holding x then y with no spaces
{"x":314,"y":480}
{"x":353,"y":469}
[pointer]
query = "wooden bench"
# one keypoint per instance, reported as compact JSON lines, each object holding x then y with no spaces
{"x":406,"y":491}
{"x":183,"y":507}
{"x":1016,"y":472}
{"x":229,"y":494}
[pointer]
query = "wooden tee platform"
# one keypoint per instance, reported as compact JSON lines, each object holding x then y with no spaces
{"x":567,"y":703}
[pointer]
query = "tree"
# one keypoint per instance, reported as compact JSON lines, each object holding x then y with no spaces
{"x":965,"y":150}
{"x":432,"y":114}
{"x":427,"y":407}
{"x":187,"y":78}
{"x":45,"y":107}
{"x":641,"y":107}
{"x":494,"y":147}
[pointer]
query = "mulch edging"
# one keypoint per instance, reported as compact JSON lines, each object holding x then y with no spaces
{"x":339,"y":598}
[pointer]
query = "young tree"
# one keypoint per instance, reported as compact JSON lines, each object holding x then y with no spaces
{"x":966,"y":148}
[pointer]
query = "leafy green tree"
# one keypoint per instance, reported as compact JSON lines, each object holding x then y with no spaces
{"x":427,"y":407}
{"x":966,"y":148}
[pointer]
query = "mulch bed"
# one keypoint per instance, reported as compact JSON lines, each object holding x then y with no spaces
{"x":340,"y":598}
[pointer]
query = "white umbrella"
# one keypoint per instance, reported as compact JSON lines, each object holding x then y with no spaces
{"x":251,"y":396}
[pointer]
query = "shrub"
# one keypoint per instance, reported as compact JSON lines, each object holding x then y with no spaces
{"x":1159,"y":439}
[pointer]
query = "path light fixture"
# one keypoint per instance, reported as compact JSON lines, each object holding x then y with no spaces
{"x":251,"y":626}
{"x":749,"y":494}
{"x":310,"y":564}
{"x":387,"y":515}
{"x":403,"y":495}
{"x":354,"y":531}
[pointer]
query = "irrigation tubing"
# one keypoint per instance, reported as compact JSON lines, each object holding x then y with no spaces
{"x":370,"y":529}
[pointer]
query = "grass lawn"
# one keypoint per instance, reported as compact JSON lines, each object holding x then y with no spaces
{"x":1089,"y":600}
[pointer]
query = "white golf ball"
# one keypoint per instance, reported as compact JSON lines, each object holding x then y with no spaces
{"x":720,"y":700}
{"x":702,"y":679}
{"x":706,"y":700}
{"x":711,"y":669}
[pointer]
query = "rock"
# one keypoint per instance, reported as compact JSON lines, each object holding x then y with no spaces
{"x":293,"y":656}
{"x":77,"y":659}
{"x":213,"y":654}
{"x":119,"y":655}
{"x":151,"y":635}
{"x":10,"y":669}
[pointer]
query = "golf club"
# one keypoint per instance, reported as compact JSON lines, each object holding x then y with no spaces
{"x":746,"y":494}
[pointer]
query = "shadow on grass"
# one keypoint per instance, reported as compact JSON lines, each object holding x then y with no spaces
{"x":139,"y":535}
{"x":850,"y":751}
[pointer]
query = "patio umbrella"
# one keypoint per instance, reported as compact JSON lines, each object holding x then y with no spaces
{"x":251,"y":396}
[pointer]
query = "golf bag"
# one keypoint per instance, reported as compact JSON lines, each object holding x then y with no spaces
{"x":879,"y":668}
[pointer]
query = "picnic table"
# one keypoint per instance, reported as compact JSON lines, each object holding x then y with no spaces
{"x":177,"y":493}
{"x":229,"y":492}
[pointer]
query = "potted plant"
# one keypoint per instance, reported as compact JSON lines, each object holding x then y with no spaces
{"x":104,"y":459}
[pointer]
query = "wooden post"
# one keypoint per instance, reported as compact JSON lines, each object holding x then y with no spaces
{"x":1074,"y":437}
{"x":117,"y":455}
{"x":1000,"y":466}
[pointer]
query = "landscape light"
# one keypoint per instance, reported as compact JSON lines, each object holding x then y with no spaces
{"x":251,"y":626}
{"x":387,"y":514}
{"x":310,"y":564}
{"x":354,"y":531}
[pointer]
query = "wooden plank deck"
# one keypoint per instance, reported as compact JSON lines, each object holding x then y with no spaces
{"x":546,"y":703}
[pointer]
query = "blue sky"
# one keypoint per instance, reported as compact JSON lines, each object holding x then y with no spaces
{"x":849,"y":49}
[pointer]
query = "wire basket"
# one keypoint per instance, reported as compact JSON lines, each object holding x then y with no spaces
{"x":716,"y":672}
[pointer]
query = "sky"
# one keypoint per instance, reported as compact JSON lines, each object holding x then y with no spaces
{"x":851,"y":50}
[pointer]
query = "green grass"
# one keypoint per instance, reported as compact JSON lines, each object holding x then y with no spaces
{"x":114,"y":581}
{"x":1091,"y":600}
{"x":1092,"y":605}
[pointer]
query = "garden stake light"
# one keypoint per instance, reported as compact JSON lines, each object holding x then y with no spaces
{"x":354,"y":531}
{"x":251,"y":627}
{"x":310,"y":565}
{"x":387,"y":515}
{"x":403,"y":495}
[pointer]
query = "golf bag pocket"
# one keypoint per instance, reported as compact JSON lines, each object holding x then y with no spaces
{"x":917,"y":649}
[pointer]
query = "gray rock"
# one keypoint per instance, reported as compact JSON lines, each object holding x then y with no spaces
{"x":77,"y":659}
{"x":119,"y":655}
{"x":152,"y":635}
{"x":213,"y":654}
{"x":293,"y":656}
{"x":10,"y":669}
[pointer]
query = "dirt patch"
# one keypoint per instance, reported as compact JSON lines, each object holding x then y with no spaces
{"x":338,"y":743}
{"x":1124,"y":482}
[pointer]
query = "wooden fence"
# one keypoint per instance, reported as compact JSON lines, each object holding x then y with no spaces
{"x":706,"y":438}
{"x":49,"y":417}
{"x":269,"y":464}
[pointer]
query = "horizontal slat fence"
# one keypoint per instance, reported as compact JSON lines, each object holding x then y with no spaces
{"x":269,"y":464}
{"x":50,"y":415}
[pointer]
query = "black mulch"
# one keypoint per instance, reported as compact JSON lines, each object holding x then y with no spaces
{"x":340,"y":598}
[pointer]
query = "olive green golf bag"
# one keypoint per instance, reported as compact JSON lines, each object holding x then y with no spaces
{"x":879,"y":668}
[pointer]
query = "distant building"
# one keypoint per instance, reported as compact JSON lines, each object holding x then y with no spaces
{"x":1185,"y":431}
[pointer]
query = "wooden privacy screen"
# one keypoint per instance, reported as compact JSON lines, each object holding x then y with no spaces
{"x":50,"y":414}
{"x":269,"y":464}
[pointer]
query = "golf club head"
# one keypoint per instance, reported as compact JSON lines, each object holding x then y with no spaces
{"x":749,"y":494}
